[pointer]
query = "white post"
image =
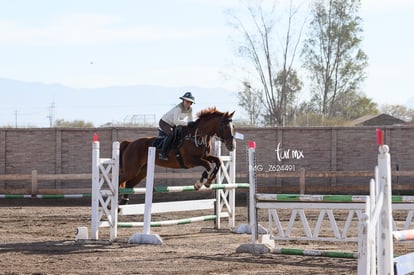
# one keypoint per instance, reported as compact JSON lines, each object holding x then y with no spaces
{"x":146,"y":237}
{"x":95,"y":191}
{"x":252,"y":192}
{"x":385,"y":242}
{"x":364,"y":260}
{"x":217,"y":153}
{"x":372,"y":228}
{"x":232,"y":192}
{"x":149,"y":189}
{"x":226,"y":174}
{"x":114,"y":188}
{"x":219,"y":180}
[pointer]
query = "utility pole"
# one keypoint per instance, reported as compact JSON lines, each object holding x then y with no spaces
{"x":15,"y":118}
{"x":51,"y":115}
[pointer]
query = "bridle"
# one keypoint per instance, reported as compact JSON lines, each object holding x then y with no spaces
{"x":224,"y":121}
{"x":203,"y":137}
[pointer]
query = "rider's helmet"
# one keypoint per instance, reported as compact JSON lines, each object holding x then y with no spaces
{"x":188,"y":96}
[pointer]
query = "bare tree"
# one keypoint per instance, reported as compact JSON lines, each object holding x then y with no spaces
{"x":287,"y":80}
{"x":399,"y":111}
{"x":258,"y":47}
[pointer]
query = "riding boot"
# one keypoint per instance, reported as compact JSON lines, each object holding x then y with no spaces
{"x":163,"y":155}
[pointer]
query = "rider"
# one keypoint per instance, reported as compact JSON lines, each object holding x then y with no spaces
{"x":180,"y":115}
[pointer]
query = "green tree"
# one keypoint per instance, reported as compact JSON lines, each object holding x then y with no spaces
{"x":352,"y":105}
{"x":332,"y":53}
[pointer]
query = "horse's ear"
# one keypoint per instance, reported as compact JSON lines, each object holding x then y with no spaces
{"x":231,"y":114}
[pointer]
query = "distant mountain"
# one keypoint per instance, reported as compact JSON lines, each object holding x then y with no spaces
{"x":33,"y":104}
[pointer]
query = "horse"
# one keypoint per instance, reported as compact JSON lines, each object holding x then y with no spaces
{"x":194,"y":150}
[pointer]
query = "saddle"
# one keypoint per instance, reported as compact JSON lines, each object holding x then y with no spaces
{"x":178,"y":138}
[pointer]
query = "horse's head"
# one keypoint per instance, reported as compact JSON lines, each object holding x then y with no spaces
{"x":226,"y":131}
{"x":215,"y":123}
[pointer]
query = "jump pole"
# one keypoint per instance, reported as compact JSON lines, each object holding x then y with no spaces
{"x":403,"y":235}
{"x":146,"y":237}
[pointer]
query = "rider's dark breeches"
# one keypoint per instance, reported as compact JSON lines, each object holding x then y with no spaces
{"x":165,"y":127}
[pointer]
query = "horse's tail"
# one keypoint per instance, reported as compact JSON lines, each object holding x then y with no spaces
{"x":122,"y":147}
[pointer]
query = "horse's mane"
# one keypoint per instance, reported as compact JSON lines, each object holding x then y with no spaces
{"x":210,"y":112}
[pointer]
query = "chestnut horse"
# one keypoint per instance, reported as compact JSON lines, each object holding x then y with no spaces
{"x":194,"y":150}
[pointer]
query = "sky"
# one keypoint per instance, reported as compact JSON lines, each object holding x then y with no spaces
{"x":174,"y":43}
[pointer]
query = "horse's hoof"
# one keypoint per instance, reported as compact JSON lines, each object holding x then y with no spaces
{"x":198,"y":185}
{"x":208,"y":182}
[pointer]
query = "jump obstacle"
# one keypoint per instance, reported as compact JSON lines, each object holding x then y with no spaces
{"x":105,"y":172}
{"x":374,"y":214}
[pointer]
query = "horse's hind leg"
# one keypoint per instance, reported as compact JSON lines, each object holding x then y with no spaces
{"x":131,"y":183}
{"x":124,"y":198}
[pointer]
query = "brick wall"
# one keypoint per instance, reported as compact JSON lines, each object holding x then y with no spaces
{"x":313,"y":148}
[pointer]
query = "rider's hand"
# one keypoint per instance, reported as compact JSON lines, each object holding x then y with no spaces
{"x":191,"y":124}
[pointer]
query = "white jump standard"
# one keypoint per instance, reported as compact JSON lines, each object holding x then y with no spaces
{"x":374,"y":213}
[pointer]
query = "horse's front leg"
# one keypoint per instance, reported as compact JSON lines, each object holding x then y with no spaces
{"x":204,"y":176}
{"x":213,"y":174}
{"x":198,"y":184}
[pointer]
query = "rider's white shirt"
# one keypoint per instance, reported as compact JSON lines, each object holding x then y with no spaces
{"x":178,"y":115}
